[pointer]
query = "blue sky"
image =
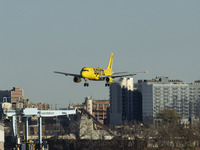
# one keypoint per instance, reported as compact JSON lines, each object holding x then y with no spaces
{"x":37,"y":37}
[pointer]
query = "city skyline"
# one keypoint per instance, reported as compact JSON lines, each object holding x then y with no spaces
{"x":37,"y":38}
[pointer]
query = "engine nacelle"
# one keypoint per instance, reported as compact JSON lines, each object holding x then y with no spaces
{"x":109,"y":79}
{"x":77,"y":79}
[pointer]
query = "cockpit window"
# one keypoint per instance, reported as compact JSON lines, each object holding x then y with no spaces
{"x":84,"y":69}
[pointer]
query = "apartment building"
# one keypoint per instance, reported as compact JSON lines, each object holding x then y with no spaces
{"x":194,"y":99}
{"x":121,"y":101}
{"x":12,"y":96}
{"x":98,"y":108}
{"x":147,"y":98}
{"x":161,"y":93}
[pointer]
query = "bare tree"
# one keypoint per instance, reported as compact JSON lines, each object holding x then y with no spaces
{"x":169,"y":128}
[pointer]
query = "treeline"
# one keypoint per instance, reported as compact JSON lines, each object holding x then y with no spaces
{"x":168,"y":133}
{"x":120,"y":144}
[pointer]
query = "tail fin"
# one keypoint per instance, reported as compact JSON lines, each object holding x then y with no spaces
{"x":110,"y":62}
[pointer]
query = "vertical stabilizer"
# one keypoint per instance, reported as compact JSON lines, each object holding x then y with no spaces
{"x":110,"y":62}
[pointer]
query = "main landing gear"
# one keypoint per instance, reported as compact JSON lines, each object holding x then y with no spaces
{"x":86,"y":84}
{"x":107,"y":84}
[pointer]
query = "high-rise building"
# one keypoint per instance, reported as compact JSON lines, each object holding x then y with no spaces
{"x":150,"y":97}
{"x":121,"y":101}
{"x":194,"y":97}
{"x":137,"y":106}
{"x":161,"y":93}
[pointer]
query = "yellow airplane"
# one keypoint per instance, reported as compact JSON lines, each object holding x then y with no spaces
{"x":98,"y":74}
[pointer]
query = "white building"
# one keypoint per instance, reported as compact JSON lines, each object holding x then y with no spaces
{"x":121,"y":96}
{"x":161,"y":93}
{"x":194,"y":96}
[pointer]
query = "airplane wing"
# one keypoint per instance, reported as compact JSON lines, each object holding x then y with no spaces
{"x":68,"y":74}
{"x":117,"y":75}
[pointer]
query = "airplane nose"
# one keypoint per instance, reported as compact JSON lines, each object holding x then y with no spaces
{"x":82,"y":73}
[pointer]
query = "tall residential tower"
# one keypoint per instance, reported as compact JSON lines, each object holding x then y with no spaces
{"x":121,"y":101}
{"x":162,"y":93}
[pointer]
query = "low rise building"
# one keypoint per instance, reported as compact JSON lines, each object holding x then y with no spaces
{"x":39,"y":106}
{"x":13,"y":96}
{"x":2,"y":139}
{"x":98,"y":108}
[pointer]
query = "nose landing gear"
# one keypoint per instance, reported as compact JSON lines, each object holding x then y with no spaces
{"x":86,"y":84}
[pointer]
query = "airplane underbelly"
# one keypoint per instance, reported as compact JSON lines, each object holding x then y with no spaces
{"x":95,"y":78}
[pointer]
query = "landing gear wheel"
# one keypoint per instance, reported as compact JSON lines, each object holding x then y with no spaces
{"x":86,"y":84}
{"x":107,"y":84}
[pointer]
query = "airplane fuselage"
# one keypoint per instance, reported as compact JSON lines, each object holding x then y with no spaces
{"x":95,"y":73}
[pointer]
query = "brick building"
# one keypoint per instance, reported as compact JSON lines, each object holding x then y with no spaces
{"x":98,"y":108}
{"x":12,"y":96}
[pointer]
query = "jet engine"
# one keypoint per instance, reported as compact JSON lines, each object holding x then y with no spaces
{"x":77,"y":79}
{"x":109,"y":79}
